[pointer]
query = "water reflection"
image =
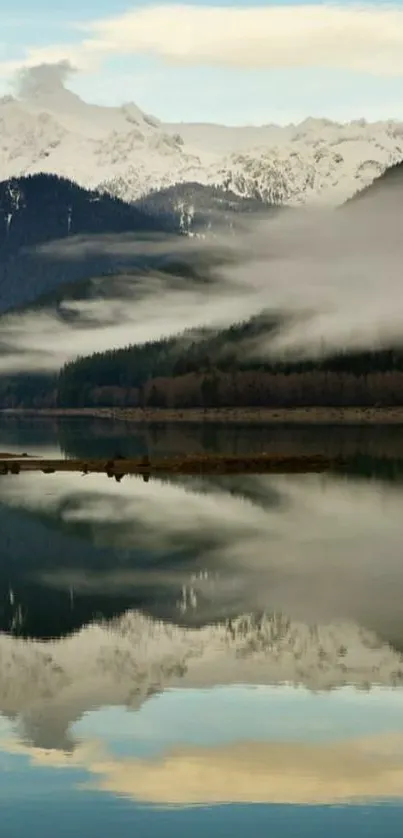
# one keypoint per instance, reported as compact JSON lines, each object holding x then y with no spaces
{"x":49,"y":685}
{"x":318,"y":548}
{"x":237,"y":745}
{"x":369,"y":449}
{"x":200,"y":642}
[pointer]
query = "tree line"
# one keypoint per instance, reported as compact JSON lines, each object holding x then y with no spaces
{"x":213,"y":369}
{"x":223,"y":369}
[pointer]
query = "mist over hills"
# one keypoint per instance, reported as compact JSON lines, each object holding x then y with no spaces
{"x":36,"y":210}
{"x":61,"y":242}
{"x":211,"y":368}
{"x":39,"y":209}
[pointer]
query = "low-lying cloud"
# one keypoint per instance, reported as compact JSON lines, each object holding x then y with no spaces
{"x":333,"y":274}
{"x":149,"y":310}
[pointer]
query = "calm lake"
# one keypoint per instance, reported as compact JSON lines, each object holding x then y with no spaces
{"x":201,"y":656}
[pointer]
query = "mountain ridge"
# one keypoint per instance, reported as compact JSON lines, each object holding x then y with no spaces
{"x":103,"y":147}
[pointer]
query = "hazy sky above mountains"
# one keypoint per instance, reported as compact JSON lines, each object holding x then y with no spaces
{"x":235,"y":62}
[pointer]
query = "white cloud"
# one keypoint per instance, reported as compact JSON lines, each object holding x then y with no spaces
{"x":260,"y":773}
{"x":357,"y":38}
{"x":267,"y":772}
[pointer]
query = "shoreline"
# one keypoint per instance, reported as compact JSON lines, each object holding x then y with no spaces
{"x":208,"y":464}
{"x":300,"y":416}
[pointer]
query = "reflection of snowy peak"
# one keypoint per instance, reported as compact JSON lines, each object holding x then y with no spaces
{"x":130,"y":153}
{"x":51,"y":685}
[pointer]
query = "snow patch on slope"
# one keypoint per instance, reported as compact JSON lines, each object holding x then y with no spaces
{"x":128,"y":153}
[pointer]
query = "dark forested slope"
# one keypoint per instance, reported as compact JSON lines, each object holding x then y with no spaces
{"x":389,"y":184}
{"x":197,"y":208}
{"x":41,"y":209}
{"x":217,"y":369}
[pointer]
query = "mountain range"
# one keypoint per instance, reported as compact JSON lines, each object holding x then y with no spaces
{"x":76,"y":176}
{"x":128,"y":153}
{"x":36,"y":210}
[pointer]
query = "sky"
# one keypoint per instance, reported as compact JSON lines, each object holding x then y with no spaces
{"x":233,"y":61}
{"x":224,"y":745}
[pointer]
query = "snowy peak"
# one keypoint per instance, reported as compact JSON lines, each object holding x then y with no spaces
{"x":54,"y":99}
{"x":48,"y":129}
{"x":26,"y":138}
{"x":134,"y":115}
{"x":43,"y":90}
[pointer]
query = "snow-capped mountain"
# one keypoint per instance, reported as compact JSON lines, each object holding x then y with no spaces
{"x":314,"y":162}
{"x":129,"y":153}
{"x":90,"y":144}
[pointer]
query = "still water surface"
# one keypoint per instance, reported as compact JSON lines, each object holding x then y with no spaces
{"x":201,"y":656}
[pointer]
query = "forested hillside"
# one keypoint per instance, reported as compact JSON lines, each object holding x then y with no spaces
{"x":214,"y":369}
{"x":211,"y":369}
{"x":41,"y":209}
{"x":220,"y":369}
{"x":197,"y":208}
{"x":389,"y":182}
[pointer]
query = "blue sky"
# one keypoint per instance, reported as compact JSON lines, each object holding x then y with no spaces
{"x":211,"y":719}
{"x":361,"y":78}
{"x":219,"y":716}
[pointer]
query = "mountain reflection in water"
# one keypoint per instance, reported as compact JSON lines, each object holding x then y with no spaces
{"x":234,"y":640}
{"x":316,"y":547}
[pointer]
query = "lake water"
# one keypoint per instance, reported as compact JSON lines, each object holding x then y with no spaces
{"x":201,"y":656}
